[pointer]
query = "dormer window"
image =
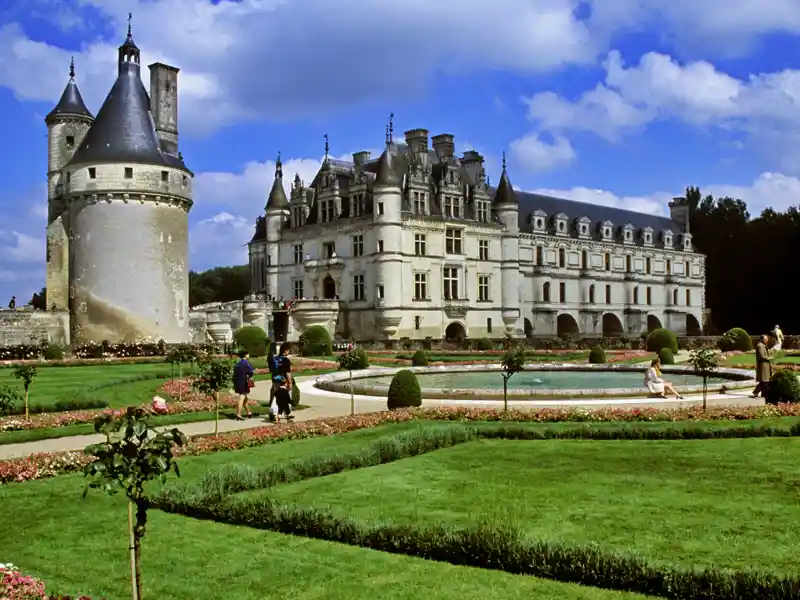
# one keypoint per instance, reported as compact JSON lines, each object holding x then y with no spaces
{"x":607,"y":231}
{"x":419,"y":203}
{"x":583,"y":227}
{"x":356,"y":205}
{"x":483,"y":211}
{"x":647,"y":236}
{"x":538,"y":220}
{"x":627,"y":234}
{"x":667,"y":239}
{"x":687,"y":241}
{"x":560,"y":221}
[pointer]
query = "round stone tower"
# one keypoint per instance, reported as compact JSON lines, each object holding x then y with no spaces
{"x":67,"y":125}
{"x":277,"y":211}
{"x":506,"y":207}
{"x":128,"y":195}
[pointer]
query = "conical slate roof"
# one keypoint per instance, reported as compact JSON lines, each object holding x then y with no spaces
{"x":71,"y":102}
{"x":277,"y":196}
{"x":505,"y":193}
{"x":386,"y":174}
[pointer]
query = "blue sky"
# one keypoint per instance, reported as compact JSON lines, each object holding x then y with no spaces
{"x":612,"y":102}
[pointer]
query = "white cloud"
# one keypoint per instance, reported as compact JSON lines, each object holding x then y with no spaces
{"x":764,"y":108}
{"x":274,"y":59}
{"x":536,"y":154}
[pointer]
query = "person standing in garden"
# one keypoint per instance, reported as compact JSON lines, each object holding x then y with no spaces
{"x":763,"y":367}
{"x":242,"y":384}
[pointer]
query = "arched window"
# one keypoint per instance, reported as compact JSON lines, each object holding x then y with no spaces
{"x":546,"y":292}
{"x":591,"y":294}
{"x":675,"y":297}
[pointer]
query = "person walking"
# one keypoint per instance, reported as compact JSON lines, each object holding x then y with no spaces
{"x":242,"y":384}
{"x":763,"y":367}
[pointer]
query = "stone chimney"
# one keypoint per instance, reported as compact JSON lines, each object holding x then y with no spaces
{"x":679,"y":213}
{"x":444,"y":146}
{"x":164,"y":105}
{"x":417,"y":140}
{"x":359,"y":158}
{"x":472,"y":157}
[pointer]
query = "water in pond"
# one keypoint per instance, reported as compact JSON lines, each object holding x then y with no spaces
{"x":552,"y":380}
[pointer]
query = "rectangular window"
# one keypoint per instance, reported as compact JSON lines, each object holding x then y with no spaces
{"x":452,"y":241}
{"x":539,"y":256}
{"x":687,"y":270}
{"x":452,"y":207}
{"x":648,"y":266}
{"x":165,"y":176}
{"x":669,"y":267}
{"x":297,"y":253}
{"x":483,"y":212}
{"x":420,"y":286}
{"x":380,"y":208}
{"x":420,"y":244}
{"x":607,"y":261}
{"x":489,"y":325}
{"x":417,"y":322}
{"x":562,"y":292}
{"x":608,"y":294}
{"x":649,"y":296}
{"x":329,"y":250}
{"x":584,"y":259}
{"x":419,"y":203}
{"x":483,"y":250}
{"x":688,"y":297}
{"x":380,"y":292}
{"x":358,"y":287}
{"x":380,"y":245}
{"x":356,"y":205}
{"x":450,"y":280}
{"x":70,"y":141}
{"x":92,"y":173}
{"x":483,"y":288}
{"x":297,"y":288}
{"x":358,"y":245}
{"x":128,"y":172}
{"x":628,"y":264}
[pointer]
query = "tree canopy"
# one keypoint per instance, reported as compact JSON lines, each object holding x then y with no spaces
{"x":220,"y":284}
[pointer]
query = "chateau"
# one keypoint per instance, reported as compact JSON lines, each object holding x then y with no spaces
{"x":416,"y":244}
{"x":119,"y":195}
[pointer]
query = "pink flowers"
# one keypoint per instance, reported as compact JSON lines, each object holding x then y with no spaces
{"x":16,"y":586}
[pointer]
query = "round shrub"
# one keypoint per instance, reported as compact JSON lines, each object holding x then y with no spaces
{"x":666,"y":357}
{"x":53,"y":352}
{"x":363,"y":359}
{"x":784,"y":387}
{"x":354,"y":360}
{"x":404,"y":391}
{"x":662,"y":338}
{"x":420,"y":359}
{"x":252,"y":339}
{"x":316,"y":341}
{"x":597,"y":356}
{"x":485,"y":344}
{"x":736,"y":339}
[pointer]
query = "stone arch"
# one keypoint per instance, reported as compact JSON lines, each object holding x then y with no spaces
{"x":455,"y":332}
{"x":566,"y":325}
{"x":653,"y":322}
{"x":693,"y":325}
{"x":328,"y":288}
{"x":528,"y":328}
{"x":612,"y":326}
{"x":546,"y":292}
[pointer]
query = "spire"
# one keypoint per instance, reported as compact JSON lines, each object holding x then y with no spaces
{"x":390,"y":130}
{"x":277,"y":196}
{"x":128,"y":51}
{"x":71,"y":102}
{"x":505,"y":193}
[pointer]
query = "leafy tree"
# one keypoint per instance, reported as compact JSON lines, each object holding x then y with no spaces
{"x":351,"y":361}
{"x":27,"y":373}
{"x":513,"y":362}
{"x":220,"y":284}
{"x":39,"y":300}
{"x":132,"y":455}
{"x":215,"y":375}
{"x":8,"y":399}
{"x":705,"y":362}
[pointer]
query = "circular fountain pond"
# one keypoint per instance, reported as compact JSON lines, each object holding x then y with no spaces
{"x":539,"y":381}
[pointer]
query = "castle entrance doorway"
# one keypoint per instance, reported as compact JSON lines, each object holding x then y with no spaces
{"x":329,"y":288}
{"x":280,"y":325}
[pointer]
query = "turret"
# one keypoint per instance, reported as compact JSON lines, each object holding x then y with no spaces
{"x":67,"y":125}
{"x":277,"y":210}
{"x":505,"y":207}
{"x":299,"y":204}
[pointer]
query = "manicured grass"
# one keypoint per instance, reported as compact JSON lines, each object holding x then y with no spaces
{"x":749,"y":360}
{"x":727,"y":502}
{"x":81,"y":547}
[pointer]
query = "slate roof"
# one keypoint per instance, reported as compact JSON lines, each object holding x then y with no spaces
{"x":71,"y":102}
{"x":260,"y":234}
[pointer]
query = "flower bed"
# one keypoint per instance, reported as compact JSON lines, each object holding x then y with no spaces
{"x":16,"y":586}
{"x":38,"y":466}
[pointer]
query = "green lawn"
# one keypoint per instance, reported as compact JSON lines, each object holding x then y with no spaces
{"x":728,"y":502}
{"x":749,"y":359}
{"x":80,"y":546}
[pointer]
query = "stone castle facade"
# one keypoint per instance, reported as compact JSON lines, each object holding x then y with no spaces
{"x":417,"y":243}
{"x":119,"y":195}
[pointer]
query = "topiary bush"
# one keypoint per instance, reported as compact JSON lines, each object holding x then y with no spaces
{"x":362,"y":361}
{"x":316,"y":341}
{"x":662,"y":338}
{"x":404,"y":391}
{"x":736,"y":339}
{"x":53,"y":352}
{"x":484,"y":344}
{"x":784,"y":387}
{"x":253,"y":340}
{"x":597,"y":356}
{"x":666,"y":357}
{"x":420,"y":359}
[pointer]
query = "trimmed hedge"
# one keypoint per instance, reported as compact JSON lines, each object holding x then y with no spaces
{"x":253,"y":340}
{"x":483,"y":546}
{"x":316,"y":341}
{"x":666,"y":357}
{"x":784,"y":387}
{"x":736,"y":339}
{"x":404,"y":391}
{"x":420,"y":359}
{"x":662,"y":338}
{"x":597,"y":355}
{"x":484,"y":344}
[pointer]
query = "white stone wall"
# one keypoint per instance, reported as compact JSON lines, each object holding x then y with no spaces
{"x":23,"y":327}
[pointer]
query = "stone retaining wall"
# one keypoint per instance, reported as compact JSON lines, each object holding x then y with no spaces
{"x":24,"y":326}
